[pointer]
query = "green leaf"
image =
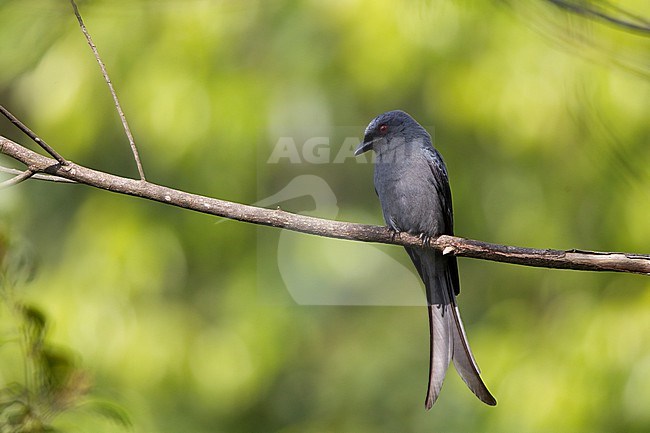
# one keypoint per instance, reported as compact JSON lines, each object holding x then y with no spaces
{"x":110,"y":411}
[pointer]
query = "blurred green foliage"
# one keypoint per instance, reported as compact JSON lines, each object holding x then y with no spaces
{"x":542,"y":118}
{"x":43,"y":383}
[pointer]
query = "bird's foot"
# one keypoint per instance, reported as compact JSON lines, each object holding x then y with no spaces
{"x":426,"y":240}
{"x":393,"y":233}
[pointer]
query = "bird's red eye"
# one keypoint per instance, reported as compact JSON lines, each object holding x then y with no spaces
{"x":383,"y":128}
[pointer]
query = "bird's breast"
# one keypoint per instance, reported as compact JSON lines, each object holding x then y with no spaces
{"x":408,"y":199}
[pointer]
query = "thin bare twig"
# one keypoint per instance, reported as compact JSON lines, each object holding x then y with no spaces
{"x":13,"y":119}
{"x":37,"y":176}
{"x":598,"y":11}
{"x":569,"y":259}
{"x":17,"y":179}
{"x":125,"y":124}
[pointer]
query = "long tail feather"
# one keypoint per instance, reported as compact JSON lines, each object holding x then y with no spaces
{"x":466,"y":364}
{"x":447,"y":339}
{"x":440,"y":350}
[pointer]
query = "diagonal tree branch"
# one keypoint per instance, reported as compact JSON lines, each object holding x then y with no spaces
{"x":570,"y":259}
{"x":31,"y":134}
{"x":118,"y":107}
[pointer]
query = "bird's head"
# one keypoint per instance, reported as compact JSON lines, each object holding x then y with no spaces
{"x":391,"y":130}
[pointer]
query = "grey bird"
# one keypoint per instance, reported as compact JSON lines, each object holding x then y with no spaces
{"x":413,"y":188}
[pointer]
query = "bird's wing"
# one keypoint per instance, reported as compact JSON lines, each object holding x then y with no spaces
{"x":440,"y":182}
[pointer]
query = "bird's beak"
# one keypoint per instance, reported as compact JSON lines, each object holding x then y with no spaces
{"x":365,"y":146}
